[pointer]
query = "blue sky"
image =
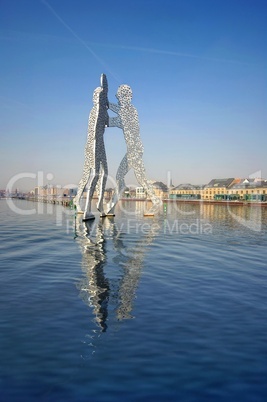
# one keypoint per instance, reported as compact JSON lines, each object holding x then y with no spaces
{"x":197,"y":69}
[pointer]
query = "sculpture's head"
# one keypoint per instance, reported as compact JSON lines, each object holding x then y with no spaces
{"x":104,"y":82}
{"x":96,"y":95}
{"x":124,"y":94}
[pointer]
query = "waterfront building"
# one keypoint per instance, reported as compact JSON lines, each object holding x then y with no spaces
{"x":186,"y":191}
{"x":140,"y":192}
{"x":227,"y":189}
{"x":108,"y":193}
{"x":160,"y":189}
{"x":230,"y":189}
{"x":249,"y":190}
{"x":51,"y":192}
{"x":217,"y":188}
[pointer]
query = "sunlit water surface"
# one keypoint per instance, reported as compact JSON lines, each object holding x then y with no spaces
{"x":170,"y":308}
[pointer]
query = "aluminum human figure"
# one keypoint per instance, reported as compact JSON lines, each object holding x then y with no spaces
{"x":95,"y":164}
{"x":128,"y":121}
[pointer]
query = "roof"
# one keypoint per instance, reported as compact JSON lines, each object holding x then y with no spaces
{"x":188,"y":186}
{"x":214,"y":183}
{"x":159,"y":185}
{"x":250,"y":183}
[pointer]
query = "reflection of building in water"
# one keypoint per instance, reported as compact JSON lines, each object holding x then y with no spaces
{"x":216,"y":215}
{"x":135,"y":208}
{"x":112,"y":259}
{"x":232,"y":214}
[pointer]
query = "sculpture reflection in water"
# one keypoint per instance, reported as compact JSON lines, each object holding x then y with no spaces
{"x":94,"y":290}
{"x":112,"y":266}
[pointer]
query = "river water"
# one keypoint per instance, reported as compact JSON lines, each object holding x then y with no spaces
{"x":169,"y":308}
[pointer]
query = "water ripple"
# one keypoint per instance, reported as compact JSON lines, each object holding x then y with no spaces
{"x":133,"y":310}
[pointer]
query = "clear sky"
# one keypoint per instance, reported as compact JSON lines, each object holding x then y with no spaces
{"x":197,"y":69}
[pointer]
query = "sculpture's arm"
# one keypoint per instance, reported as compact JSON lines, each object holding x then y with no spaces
{"x":106,"y":120}
{"x":115,"y":108}
{"x":114,"y":122}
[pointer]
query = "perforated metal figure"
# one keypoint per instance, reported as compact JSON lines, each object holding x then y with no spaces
{"x":95,"y":164}
{"x":128,"y":121}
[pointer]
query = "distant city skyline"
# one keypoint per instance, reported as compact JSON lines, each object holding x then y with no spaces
{"x":197,"y":71}
{"x":252,"y":181}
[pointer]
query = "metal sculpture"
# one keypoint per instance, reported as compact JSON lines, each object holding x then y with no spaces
{"x":128,"y":121}
{"x":95,"y":164}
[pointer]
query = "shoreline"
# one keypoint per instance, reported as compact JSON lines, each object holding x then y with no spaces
{"x":68,"y":201}
{"x":207,"y":202}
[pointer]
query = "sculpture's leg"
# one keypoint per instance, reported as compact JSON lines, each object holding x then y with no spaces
{"x":140,"y":175}
{"x":102,"y":185}
{"x":87,"y":212}
{"x":82,"y":184}
{"x":121,"y":173}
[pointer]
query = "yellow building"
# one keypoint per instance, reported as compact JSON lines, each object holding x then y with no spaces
{"x":160,"y":189}
{"x":186,"y":191}
{"x":223,"y":189}
{"x":249,"y":190}
{"x":217,"y":188}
